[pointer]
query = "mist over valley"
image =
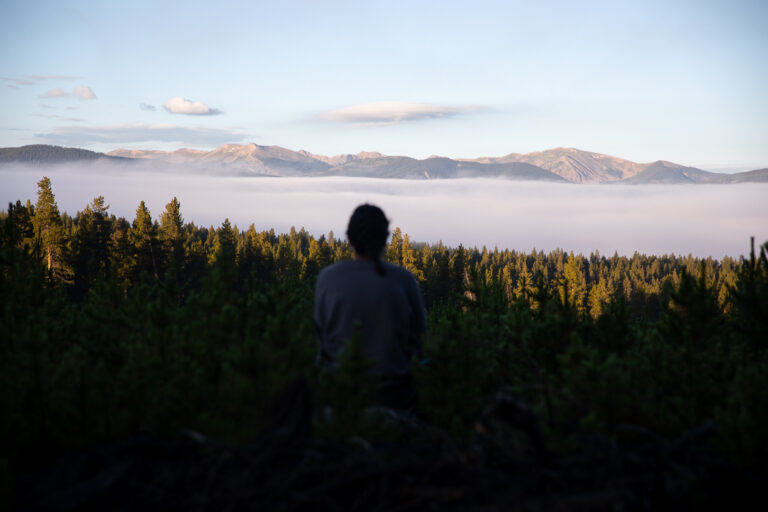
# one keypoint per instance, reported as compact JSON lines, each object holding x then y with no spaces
{"x":711,"y":220}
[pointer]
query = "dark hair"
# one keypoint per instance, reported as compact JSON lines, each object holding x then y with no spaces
{"x":367,"y":231}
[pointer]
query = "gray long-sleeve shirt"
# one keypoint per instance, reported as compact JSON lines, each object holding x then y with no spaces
{"x":389,"y":309}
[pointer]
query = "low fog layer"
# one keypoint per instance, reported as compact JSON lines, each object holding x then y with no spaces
{"x":704,"y":220}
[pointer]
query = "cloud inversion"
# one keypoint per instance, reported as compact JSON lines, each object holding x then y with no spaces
{"x":706,"y":220}
{"x":387,"y":112}
{"x":181,"y":105}
{"x":84,"y":92}
{"x":140,"y":132}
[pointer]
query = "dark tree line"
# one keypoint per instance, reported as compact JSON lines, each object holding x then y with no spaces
{"x":111,"y":326}
{"x":94,"y":246}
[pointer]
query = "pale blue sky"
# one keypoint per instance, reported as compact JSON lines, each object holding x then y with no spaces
{"x":681,"y":81}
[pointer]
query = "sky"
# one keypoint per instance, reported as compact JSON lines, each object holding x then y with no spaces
{"x":683,"y":81}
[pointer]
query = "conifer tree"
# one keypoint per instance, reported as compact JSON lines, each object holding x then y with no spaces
{"x":172,"y":234}
{"x":395,"y":248}
{"x":410,"y":260}
{"x":121,"y":253}
{"x":224,"y":243}
{"x":427,"y":261}
{"x":458,"y":270}
{"x":506,"y":281}
{"x":20,"y":222}
{"x":144,"y":240}
{"x":282,"y":255}
{"x":318,"y":254}
{"x":48,"y":228}
{"x":91,"y":245}
{"x":524,"y":285}
{"x":574,"y":284}
{"x":599,"y":296}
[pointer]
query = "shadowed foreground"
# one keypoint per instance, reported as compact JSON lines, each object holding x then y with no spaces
{"x":506,"y":465}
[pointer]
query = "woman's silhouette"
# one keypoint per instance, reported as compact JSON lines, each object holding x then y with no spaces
{"x":382,"y":298}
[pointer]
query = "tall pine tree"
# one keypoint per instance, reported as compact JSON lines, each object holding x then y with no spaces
{"x":172,"y":235}
{"x":144,"y":241}
{"x":48,"y":228}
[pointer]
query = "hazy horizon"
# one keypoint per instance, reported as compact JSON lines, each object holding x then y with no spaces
{"x":703,"y":220}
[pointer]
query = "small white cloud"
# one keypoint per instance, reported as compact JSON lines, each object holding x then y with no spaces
{"x":181,"y":105}
{"x":147,"y":106}
{"x":84,"y":92}
{"x":388,"y":112}
{"x":55,"y":93}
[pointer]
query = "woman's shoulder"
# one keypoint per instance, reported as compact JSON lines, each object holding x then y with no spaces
{"x":335,"y":268}
{"x":342,"y":268}
{"x":400,"y":273}
{"x":352,"y":266}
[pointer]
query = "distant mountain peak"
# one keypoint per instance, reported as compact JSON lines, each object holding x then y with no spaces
{"x":558,"y":164}
{"x":45,"y":154}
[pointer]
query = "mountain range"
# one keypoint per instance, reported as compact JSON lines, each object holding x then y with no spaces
{"x":556,"y":165}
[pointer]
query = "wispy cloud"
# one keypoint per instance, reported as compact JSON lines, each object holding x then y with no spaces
{"x":54,"y":116}
{"x":147,"y":107}
{"x":16,"y":81}
{"x":84,"y":92}
{"x":181,"y":105}
{"x":43,"y":105}
{"x":51,"y":77}
{"x":58,"y":92}
{"x":31,"y":79}
{"x":141,"y":132}
{"x":390,"y":112}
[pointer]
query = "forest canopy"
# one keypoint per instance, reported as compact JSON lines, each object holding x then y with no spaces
{"x":112,"y":326}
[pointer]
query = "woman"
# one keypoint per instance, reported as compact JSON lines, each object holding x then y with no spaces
{"x":383,"y":299}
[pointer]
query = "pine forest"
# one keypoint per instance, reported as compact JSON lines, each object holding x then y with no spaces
{"x":549,"y":378}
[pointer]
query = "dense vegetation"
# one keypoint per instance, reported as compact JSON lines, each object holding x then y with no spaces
{"x":112,"y":326}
